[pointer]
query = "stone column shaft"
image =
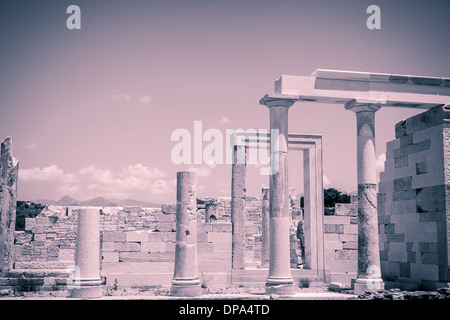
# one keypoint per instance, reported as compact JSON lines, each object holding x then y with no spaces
{"x":9,"y":167}
{"x":265,"y":241}
{"x":185,"y":279}
{"x":280,"y":279}
{"x":369,"y":274}
{"x":238,"y":192}
{"x":87,"y":282}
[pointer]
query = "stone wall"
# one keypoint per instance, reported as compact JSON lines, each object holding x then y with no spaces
{"x":413,"y":203}
{"x":138,"y":244}
{"x":341,"y":243}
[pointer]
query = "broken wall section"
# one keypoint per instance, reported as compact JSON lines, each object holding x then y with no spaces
{"x":414,"y":203}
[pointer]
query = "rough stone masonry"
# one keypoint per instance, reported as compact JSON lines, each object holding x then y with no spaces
{"x":9,"y":167}
{"x":414,"y":203}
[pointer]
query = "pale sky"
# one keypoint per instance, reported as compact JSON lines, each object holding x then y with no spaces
{"x":91,"y":111}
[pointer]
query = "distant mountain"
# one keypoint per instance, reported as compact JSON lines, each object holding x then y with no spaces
{"x":66,"y":201}
{"x":97,"y":202}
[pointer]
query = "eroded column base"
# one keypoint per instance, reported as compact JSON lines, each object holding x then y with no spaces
{"x":281,"y":286}
{"x":372,"y":285}
{"x":185,"y":288}
{"x":87,"y":289}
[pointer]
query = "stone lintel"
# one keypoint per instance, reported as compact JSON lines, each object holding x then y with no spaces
{"x":335,"y":86}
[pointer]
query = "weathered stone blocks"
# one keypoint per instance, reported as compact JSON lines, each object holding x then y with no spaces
{"x":413,"y":216}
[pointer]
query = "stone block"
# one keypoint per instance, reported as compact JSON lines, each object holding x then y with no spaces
{"x":67,"y":254}
{"x":402,"y":184}
{"x":332,"y":236}
{"x":401,"y":162}
{"x":428,"y":247}
{"x":392,"y":145}
{"x":170,"y":246}
{"x":431,"y":199}
{"x":405,"y":270}
{"x":421,"y":237}
{"x":424,"y":271}
{"x":389,"y":228}
{"x":114,"y":236}
{"x":335,"y":245}
{"x":110,"y":257}
{"x":21,"y":237}
{"x":203,"y":247}
{"x":397,"y":256}
{"x":346,"y":237}
{"x":154,"y":246}
{"x":221,"y":227}
{"x":406,"y":140}
{"x":329,"y":228}
{"x":161,"y":217}
{"x":162,"y":256}
{"x":168,"y":208}
{"x":166,"y":226}
{"x":384,"y":219}
{"x":219,"y":237}
{"x":134,"y":256}
{"x":127,"y":246}
{"x":224,"y":247}
{"x":346,"y":209}
{"x":395,"y":237}
{"x":429,"y":258}
{"x":350,"y":245}
{"x":351,"y":229}
{"x":411,"y":257}
{"x":421,"y":167}
{"x":336,"y":220}
{"x":404,"y":195}
{"x":107,"y":246}
{"x":161,"y":236}
{"x":136,"y":236}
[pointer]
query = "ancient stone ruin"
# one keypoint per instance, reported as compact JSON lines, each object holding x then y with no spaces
{"x":395,"y":235}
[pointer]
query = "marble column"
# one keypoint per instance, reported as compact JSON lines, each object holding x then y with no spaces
{"x":185,"y":280}
{"x":265,"y":239}
{"x":280,"y":279}
{"x":369,"y":274}
{"x":9,"y":167}
{"x":238,"y":192}
{"x":87,"y":282}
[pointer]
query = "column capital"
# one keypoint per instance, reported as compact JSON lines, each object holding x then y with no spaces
{"x":273,"y":101}
{"x":363,"y":105}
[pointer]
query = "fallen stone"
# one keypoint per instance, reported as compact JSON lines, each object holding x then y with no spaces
{"x":445,"y":291}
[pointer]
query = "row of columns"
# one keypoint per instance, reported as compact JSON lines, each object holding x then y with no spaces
{"x":280,"y":279}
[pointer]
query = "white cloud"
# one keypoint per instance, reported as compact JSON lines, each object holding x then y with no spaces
{"x":127,"y":181}
{"x":326,"y":181}
{"x":121,"y":97}
{"x":145,"y":99}
{"x":133,"y":181}
{"x":131,"y":97}
{"x":380,"y":162}
{"x":204,"y":170}
{"x":222,"y":121}
{"x":32,"y":146}
{"x":50,"y":173}
{"x":68,"y":189}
